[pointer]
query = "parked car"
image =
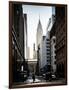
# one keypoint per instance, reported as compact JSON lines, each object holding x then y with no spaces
{"x":53,"y":77}
{"x":44,"y":76}
{"x":48,"y":75}
{"x":23,"y":75}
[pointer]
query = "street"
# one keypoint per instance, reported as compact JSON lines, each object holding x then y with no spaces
{"x":30,"y":80}
{"x":39,"y":79}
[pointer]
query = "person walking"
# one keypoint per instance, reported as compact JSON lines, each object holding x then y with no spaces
{"x":33,"y":77}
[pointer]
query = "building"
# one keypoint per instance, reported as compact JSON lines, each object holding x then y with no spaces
{"x":17,"y":40}
{"x":32,"y":66}
{"x":47,"y":66}
{"x":43,"y":49}
{"x":28,"y":52}
{"x":53,"y":42}
{"x":51,"y":29}
{"x":34,"y":52}
{"x":48,"y":47}
{"x":42,"y":61}
{"x":60,"y":32}
{"x":53,"y":54}
{"x":58,"y":42}
{"x":53,"y":48}
{"x":18,"y":44}
{"x":39,"y":34}
{"x":32,"y":61}
{"x":25,"y":36}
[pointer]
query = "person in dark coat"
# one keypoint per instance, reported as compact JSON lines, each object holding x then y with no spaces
{"x":33,"y":77}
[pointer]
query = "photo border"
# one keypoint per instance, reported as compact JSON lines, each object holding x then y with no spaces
{"x":11,"y":84}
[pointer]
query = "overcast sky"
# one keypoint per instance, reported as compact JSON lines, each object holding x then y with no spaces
{"x":34,"y":13}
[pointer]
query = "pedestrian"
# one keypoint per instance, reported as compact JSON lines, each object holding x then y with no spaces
{"x":33,"y":77}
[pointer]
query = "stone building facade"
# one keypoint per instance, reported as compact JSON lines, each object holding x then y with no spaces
{"x":61,"y":46}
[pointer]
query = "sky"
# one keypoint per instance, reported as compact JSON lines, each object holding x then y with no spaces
{"x":34,"y":13}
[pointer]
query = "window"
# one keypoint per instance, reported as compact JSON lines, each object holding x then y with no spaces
{"x":48,"y":49}
{"x":48,"y":60}
{"x":54,"y":40}
{"x":48,"y":39}
{"x":54,"y":62}
{"x":48,"y":53}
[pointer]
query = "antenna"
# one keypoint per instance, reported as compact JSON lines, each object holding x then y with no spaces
{"x":39,"y":16}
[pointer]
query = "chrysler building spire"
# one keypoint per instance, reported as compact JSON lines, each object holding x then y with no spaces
{"x":39,"y":32}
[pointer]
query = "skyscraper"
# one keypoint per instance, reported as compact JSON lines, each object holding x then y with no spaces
{"x":19,"y":34}
{"x":17,"y":40}
{"x":34,"y":52}
{"x":25,"y":36}
{"x":39,"y":34}
{"x":53,"y":54}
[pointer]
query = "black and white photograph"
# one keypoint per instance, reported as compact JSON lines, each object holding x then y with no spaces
{"x":37,"y":44}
